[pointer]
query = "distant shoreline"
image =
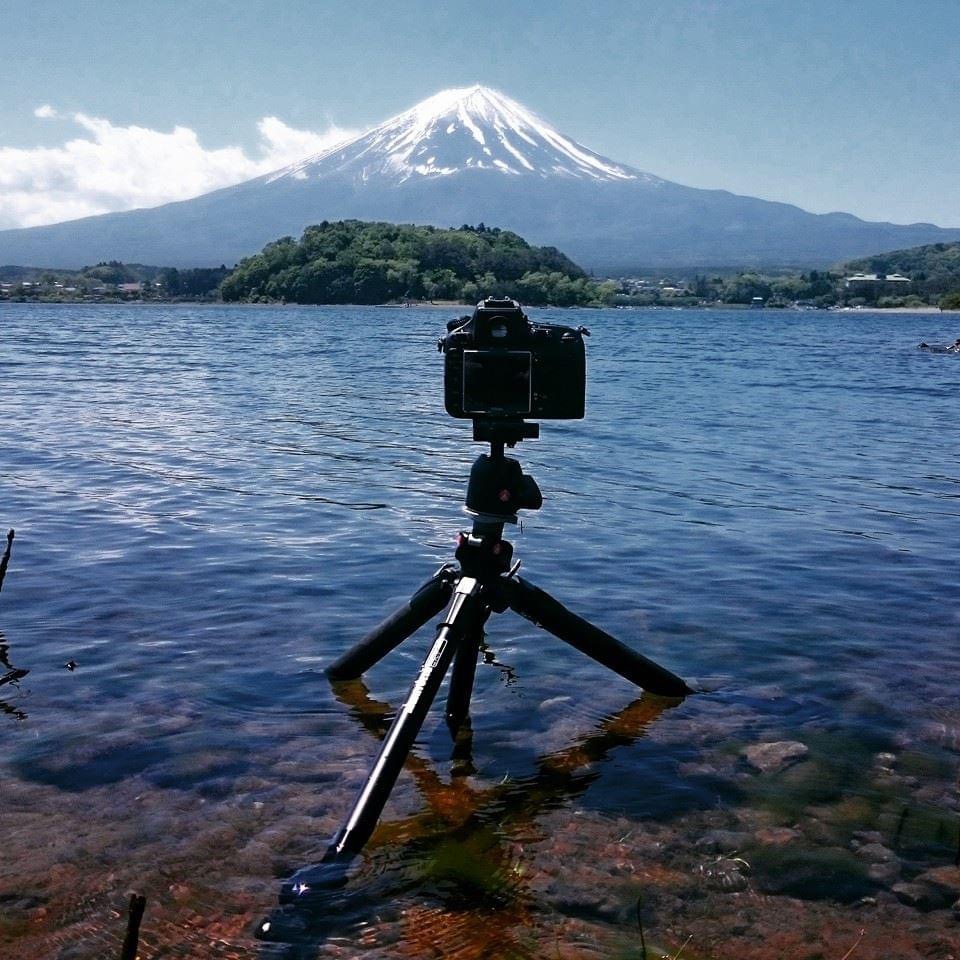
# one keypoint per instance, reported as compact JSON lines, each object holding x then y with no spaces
{"x":455,"y":305}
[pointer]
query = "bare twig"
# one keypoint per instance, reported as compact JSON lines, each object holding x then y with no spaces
{"x":683,"y":947}
{"x":6,"y":557}
{"x":901,"y":823}
{"x":854,"y":947}
{"x":643,"y":942}
{"x":956,"y":859}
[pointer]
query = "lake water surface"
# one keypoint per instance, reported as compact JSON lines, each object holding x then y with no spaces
{"x":212,"y":503}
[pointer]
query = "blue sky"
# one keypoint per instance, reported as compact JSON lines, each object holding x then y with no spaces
{"x":833,"y":106}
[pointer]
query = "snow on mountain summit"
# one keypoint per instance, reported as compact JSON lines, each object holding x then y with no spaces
{"x":469,"y":128}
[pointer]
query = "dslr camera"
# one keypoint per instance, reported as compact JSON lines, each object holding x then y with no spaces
{"x":500,"y":365}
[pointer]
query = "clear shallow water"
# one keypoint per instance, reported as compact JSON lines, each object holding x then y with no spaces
{"x":211,"y":504}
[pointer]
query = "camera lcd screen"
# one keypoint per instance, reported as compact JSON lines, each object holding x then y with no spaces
{"x":497,"y":382}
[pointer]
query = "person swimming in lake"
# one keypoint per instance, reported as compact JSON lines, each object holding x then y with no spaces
{"x":936,"y":348}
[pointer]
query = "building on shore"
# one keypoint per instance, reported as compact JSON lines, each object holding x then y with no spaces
{"x":877,"y":284}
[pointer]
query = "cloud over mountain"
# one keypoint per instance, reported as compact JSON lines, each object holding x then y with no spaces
{"x":109,"y":167}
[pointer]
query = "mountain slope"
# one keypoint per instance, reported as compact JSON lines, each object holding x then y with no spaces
{"x":466,"y":156}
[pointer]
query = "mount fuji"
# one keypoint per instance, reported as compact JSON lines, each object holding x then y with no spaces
{"x":465,"y":156}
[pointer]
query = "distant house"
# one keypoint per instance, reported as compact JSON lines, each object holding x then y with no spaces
{"x":877,"y":283}
{"x":128,"y":289}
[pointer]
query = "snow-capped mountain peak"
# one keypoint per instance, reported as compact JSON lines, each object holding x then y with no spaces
{"x":469,"y":156}
{"x":467,"y":128}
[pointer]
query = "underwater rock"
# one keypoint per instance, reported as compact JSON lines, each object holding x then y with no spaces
{"x":884,"y":873}
{"x":920,"y":896}
{"x":726,"y":874}
{"x":723,"y":841}
{"x":776,"y":756}
{"x":21,"y":902}
{"x":811,"y":873}
{"x":696,"y":768}
{"x":586,"y":904}
{"x":875,"y":853}
{"x":777,"y":836}
{"x":943,"y":880}
{"x":884,"y":865}
{"x":74,"y":951}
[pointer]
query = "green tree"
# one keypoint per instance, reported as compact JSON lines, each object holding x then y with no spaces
{"x":950,"y":301}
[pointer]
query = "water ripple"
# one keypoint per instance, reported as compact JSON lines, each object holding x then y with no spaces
{"x":212,"y":503}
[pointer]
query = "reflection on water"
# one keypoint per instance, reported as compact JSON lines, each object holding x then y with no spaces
{"x":462,"y":851}
{"x":212,"y":504}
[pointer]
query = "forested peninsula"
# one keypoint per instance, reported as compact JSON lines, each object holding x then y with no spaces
{"x":360,"y":262}
{"x":352,"y":261}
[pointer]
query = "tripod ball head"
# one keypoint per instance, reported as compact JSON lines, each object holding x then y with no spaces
{"x":498,"y":487}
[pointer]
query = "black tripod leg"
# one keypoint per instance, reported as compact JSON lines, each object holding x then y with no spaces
{"x":427,"y":602}
{"x":461,"y":678}
{"x":537,"y":605}
{"x":464,"y":611}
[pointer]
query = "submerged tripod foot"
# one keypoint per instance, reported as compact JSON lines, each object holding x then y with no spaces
{"x":315,"y":882}
{"x":310,"y":898}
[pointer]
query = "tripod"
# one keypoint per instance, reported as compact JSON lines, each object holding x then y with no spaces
{"x":484,"y":581}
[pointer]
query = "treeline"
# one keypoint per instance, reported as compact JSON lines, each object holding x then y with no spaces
{"x":932,"y":272}
{"x":352,"y":261}
{"x":193,"y":283}
{"x":358,"y":262}
{"x":934,"y":269}
{"x":817,"y":288}
{"x":111,"y":280}
{"x":820,"y":288}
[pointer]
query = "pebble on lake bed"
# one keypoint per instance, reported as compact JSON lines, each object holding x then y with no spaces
{"x":774,"y":757}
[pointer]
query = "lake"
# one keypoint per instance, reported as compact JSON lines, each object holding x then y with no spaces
{"x":212,"y":503}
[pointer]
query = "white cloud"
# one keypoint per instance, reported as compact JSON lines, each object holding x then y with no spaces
{"x":110,"y":168}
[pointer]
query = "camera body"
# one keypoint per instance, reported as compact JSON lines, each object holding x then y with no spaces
{"x":500,"y":365}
